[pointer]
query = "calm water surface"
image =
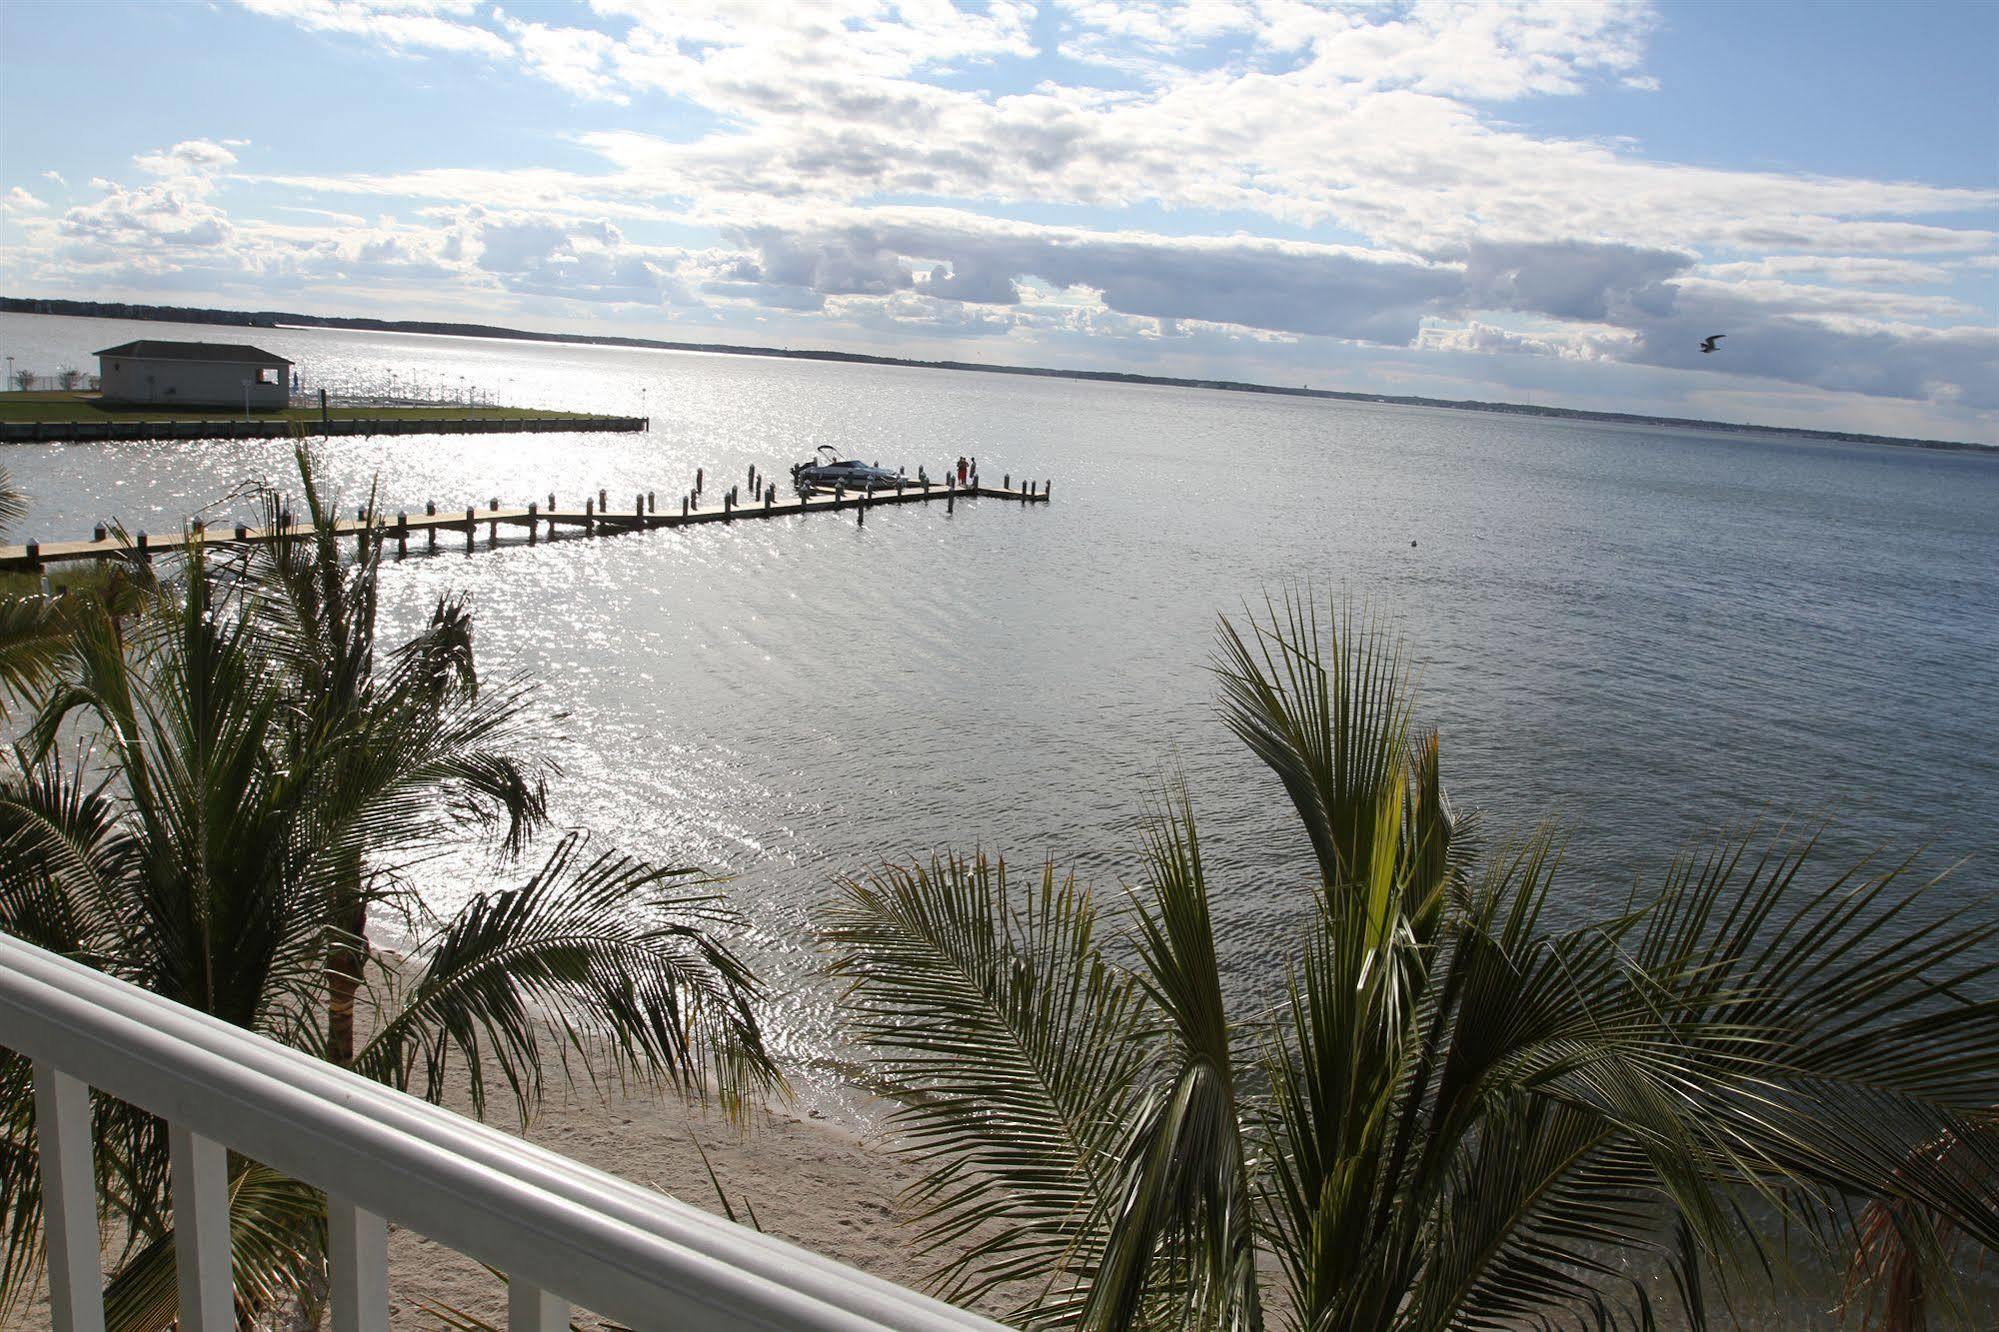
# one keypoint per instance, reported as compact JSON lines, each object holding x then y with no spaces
{"x":1645,"y":634}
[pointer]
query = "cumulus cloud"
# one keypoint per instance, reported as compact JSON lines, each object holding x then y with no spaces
{"x":197,"y":160}
{"x":1287,"y":286}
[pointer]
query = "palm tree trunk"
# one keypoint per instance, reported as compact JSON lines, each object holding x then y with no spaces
{"x":346,"y":960}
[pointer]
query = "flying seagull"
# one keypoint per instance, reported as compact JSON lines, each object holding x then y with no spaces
{"x":1707,"y":344}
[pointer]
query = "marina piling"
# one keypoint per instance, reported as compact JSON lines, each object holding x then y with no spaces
{"x":471,"y":526}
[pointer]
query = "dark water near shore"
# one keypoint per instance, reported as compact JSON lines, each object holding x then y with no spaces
{"x":1646,"y":634}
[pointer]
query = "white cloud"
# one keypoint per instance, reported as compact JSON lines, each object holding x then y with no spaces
{"x":194,"y":162}
{"x":402,"y":26}
{"x":18,"y":200}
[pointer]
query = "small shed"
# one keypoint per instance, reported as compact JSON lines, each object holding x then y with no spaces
{"x":194,"y":374}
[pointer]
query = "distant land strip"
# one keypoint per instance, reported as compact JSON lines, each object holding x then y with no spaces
{"x":282,"y":319}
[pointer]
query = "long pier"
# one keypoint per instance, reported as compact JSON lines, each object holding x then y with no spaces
{"x":598,"y":517}
{"x":30,"y":432}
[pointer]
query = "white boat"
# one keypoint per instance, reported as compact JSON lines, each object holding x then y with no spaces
{"x":829,"y":471}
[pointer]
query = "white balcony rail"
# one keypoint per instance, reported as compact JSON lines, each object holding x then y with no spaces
{"x":566,"y":1235}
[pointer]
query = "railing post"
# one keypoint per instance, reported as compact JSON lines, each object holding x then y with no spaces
{"x":69,"y":1201}
{"x":357,"y":1245}
{"x":198,"y":1173}
{"x":532,"y":1309}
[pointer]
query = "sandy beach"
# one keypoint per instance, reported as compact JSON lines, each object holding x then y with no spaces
{"x":807,"y":1180}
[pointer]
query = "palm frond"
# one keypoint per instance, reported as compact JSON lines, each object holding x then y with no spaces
{"x":1325,"y":705}
{"x":606,"y":952}
{"x":1185,"y":1193}
{"x":1015,"y":1051}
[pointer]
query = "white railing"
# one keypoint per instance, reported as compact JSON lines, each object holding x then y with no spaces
{"x":565,"y":1234}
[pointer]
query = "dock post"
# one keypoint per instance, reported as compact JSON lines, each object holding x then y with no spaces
{"x":145,"y":554}
{"x":430,"y":511}
{"x":641,"y":509}
{"x":950,"y":499}
{"x":34,"y":551}
{"x":551,"y":509}
{"x":1047,"y":486}
{"x":729,"y":504}
{"x":683,"y":508}
{"x":471,"y":526}
{"x":697,"y":480}
{"x":402,"y":534}
{"x":533,"y":511}
{"x":603,"y":501}
{"x":493,"y":526}
{"x":770,"y":493}
{"x":1006,"y":481}
{"x":98,"y":533}
{"x":652,"y":504}
{"x":589,"y":516}
{"x":861,"y":514}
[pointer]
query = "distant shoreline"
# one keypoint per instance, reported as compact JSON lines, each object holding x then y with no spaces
{"x":280,"y":319}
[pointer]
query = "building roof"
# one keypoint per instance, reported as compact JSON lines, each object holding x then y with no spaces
{"x":234,"y":353}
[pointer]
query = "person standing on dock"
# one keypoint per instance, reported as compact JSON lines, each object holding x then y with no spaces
{"x":962,"y":469}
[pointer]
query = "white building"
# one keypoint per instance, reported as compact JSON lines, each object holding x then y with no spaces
{"x":194,"y":374}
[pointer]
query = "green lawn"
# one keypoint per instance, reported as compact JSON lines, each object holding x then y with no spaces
{"x":58,"y":406}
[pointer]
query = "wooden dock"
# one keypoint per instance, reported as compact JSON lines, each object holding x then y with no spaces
{"x":600,"y":516}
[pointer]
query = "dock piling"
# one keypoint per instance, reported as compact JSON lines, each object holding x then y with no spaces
{"x":402,"y":534}
{"x":640,"y":509}
{"x":471,"y":526}
{"x":697,"y":480}
{"x":1006,"y":481}
{"x":145,"y":555}
{"x":589,"y":517}
{"x":950,"y":499}
{"x":533,"y":513}
{"x":683,"y":508}
{"x":603,"y":501}
{"x":34,"y":549}
{"x":861,"y":514}
{"x":551,"y":505}
{"x":98,"y":533}
{"x":652,"y":505}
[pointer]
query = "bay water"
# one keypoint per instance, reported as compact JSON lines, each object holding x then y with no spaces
{"x":1647,"y":635}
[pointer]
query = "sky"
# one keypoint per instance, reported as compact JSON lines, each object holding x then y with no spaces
{"x":1513,"y":201}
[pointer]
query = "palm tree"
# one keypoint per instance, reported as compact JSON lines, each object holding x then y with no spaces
{"x":1456,"y":1114}
{"x":204,"y":844}
{"x":407,"y":739}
